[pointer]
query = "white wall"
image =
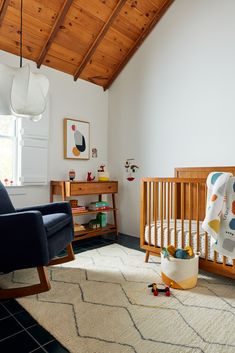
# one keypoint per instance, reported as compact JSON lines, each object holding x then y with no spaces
{"x":80,"y":100}
{"x":174,"y":103}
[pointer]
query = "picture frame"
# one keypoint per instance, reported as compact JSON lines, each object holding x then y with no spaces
{"x":76,"y":139}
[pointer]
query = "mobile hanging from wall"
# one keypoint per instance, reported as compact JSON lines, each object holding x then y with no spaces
{"x":131,"y":168}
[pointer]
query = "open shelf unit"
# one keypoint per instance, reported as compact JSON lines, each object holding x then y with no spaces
{"x":80,"y":188}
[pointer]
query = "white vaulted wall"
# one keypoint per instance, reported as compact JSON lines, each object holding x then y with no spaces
{"x":174,"y":103}
{"x":80,"y":100}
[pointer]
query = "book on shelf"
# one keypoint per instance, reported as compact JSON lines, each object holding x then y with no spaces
{"x":99,"y":205}
{"x":79,"y":209}
{"x":103,"y":208}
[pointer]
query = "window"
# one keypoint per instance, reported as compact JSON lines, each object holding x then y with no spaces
{"x":8,"y":149}
{"x":24,"y":150}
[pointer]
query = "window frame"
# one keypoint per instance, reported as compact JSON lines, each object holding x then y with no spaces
{"x":14,"y":137}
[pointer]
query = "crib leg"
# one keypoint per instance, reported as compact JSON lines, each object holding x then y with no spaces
{"x":147,"y":256}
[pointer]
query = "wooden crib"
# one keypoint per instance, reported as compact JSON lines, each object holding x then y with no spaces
{"x":172,"y":211}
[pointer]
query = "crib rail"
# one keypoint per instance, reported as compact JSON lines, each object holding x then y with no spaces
{"x":172,"y":210}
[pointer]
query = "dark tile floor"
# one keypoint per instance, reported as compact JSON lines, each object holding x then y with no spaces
{"x":20,"y":333}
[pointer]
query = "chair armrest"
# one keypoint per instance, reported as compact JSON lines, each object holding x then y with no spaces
{"x":54,"y":207}
{"x":23,"y":241}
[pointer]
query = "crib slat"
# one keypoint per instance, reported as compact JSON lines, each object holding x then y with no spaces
{"x":182,"y":214}
{"x":215,"y":257}
{"x":149,"y":213}
{"x":224,"y":260}
{"x":143,"y":213}
{"x":171,"y":191}
{"x":164,"y":200}
{"x":206,"y":245}
{"x":161,"y":214}
{"x":175,"y":214}
{"x":155,"y":210}
{"x":206,"y":234}
{"x":153,"y":202}
{"x":190,"y":213}
{"x":168,"y":213}
{"x":197,"y":216}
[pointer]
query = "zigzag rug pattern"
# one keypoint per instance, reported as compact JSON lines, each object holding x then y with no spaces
{"x":100,"y":303}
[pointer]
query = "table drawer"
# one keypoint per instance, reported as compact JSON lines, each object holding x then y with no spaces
{"x":92,"y":188}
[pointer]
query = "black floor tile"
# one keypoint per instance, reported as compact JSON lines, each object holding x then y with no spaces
{"x":89,"y":246}
{"x":97,"y":246}
{"x":25,"y":319}
{"x":130,"y":242}
{"x":20,"y":343}
{"x":110,"y":240}
{"x":40,"y":334}
{"x":39,"y":350}
{"x":8,"y":327}
{"x":13,"y":306}
{"x":55,"y":347}
{"x":3,"y":312}
{"x":97,"y":242}
{"x":79,"y":250}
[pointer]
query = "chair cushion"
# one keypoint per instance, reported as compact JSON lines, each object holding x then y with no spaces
{"x":55,"y":222}
{"x":5,"y":202}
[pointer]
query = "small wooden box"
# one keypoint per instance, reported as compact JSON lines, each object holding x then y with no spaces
{"x":73,"y":203}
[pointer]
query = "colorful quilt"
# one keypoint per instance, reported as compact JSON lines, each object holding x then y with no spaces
{"x":219,"y":221}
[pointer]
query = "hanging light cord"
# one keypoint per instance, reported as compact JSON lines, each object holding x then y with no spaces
{"x":21,"y":33}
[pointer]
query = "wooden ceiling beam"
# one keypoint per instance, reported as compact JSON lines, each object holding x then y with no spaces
{"x":59,"y":21}
{"x":139,"y":41}
{"x":3,"y":10}
{"x":99,"y":38}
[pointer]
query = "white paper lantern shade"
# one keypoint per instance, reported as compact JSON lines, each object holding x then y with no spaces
{"x":28,"y":93}
{"x":22,"y":92}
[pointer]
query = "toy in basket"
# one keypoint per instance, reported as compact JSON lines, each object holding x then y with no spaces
{"x":179,"y":267}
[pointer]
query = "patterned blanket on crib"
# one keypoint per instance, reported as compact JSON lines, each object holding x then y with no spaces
{"x":219,"y":221}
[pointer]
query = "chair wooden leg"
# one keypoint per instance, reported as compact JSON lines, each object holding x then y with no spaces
{"x":43,"y":286}
{"x":147,"y":256}
{"x":60,"y":260}
{"x":70,"y":252}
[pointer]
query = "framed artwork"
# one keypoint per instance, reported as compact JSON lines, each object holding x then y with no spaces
{"x":76,"y":139}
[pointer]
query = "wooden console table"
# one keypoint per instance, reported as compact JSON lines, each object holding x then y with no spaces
{"x":80,"y":188}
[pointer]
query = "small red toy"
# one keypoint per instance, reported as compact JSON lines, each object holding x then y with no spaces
{"x":90,"y":177}
{"x":156,"y":290}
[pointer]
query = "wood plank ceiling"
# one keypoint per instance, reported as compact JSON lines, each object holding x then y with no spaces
{"x":88,"y":39}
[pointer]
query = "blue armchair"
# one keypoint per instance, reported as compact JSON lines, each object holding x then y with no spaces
{"x":33,"y":237}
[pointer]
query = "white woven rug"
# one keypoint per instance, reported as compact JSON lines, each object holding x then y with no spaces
{"x":100,"y":303}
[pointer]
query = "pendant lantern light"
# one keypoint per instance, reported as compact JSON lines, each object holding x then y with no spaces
{"x":22,"y":92}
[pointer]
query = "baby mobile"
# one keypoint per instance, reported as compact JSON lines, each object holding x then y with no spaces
{"x":131,"y":168}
